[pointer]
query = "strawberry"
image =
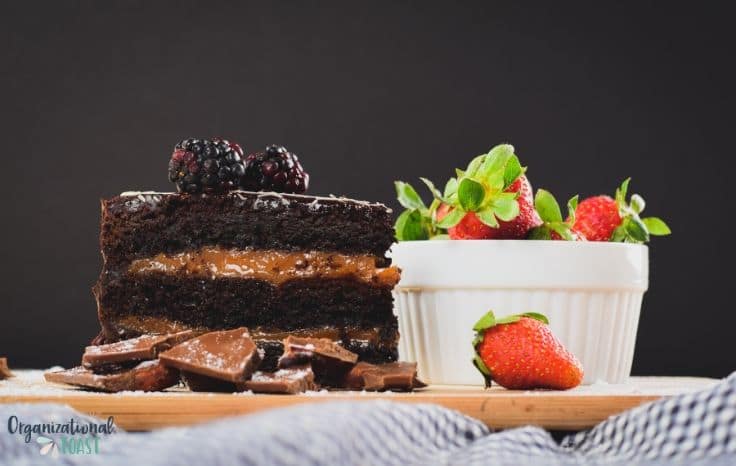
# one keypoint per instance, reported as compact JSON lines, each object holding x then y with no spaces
{"x":552,"y":225}
{"x":472,"y":227}
{"x":598,"y":217}
{"x":519,"y":352}
{"x":602,"y":218}
{"x":491,"y":199}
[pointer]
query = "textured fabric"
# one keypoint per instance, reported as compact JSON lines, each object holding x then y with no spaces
{"x":693,"y":429}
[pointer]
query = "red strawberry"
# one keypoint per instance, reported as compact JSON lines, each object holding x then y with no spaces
{"x":596,"y":218}
{"x":602,"y":218}
{"x":471,"y":227}
{"x":490,"y":199}
{"x":520,"y":352}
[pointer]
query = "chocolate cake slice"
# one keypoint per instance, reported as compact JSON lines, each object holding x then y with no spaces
{"x":278,"y":264}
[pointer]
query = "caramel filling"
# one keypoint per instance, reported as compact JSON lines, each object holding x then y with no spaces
{"x":272,"y":266}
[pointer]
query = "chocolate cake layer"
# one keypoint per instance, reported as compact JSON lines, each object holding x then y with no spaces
{"x":356,"y":314}
{"x":140,"y":225}
{"x":230,"y":303}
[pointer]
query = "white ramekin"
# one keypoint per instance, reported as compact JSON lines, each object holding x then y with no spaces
{"x":591,"y":292}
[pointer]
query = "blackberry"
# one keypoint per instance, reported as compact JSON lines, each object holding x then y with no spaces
{"x":206,"y":166}
{"x":275,"y":169}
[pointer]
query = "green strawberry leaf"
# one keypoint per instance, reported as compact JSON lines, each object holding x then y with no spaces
{"x":470,"y":194}
{"x":483,"y":369}
{"x":636,"y":229}
{"x":656,"y":226}
{"x":537,"y":316}
{"x":540,"y":233}
{"x":621,"y":192}
{"x":474,"y":166}
{"x":502,"y":150}
{"x":562,"y":229}
{"x":494,"y":181}
{"x":488,"y":320}
{"x":435,"y":192}
{"x":512,"y":171}
{"x":452,"y":218}
{"x":410,"y":226}
{"x":619,"y":234}
{"x":516,"y":317}
{"x":572,"y":206}
{"x":495,"y":161}
{"x":547,"y":206}
{"x":508,"y":319}
{"x":408,"y":196}
{"x":549,"y":211}
{"x":450,"y":188}
{"x":488,"y":217}
{"x":637,"y":203}
{"x":441,"y":237}
{"x":505,"y":209}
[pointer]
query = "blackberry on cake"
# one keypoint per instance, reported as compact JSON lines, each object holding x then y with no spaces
{"x":275,"y":169}
{"x":206,"y":166}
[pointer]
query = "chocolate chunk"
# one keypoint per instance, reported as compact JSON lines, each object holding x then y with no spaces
{"x":229,"y":355}
{"x":287,"y":381}
{"x":330,"y":361}
{"x":202,"y":383}
{"x":141,"y":348}
{"x":148,"y":376}
{"x":4,"y":369}
{"x":401,"y":376}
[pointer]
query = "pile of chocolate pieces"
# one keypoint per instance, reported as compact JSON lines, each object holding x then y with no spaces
{"x":228,"y":361}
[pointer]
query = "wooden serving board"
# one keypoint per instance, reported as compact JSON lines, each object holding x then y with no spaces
{"x":575,"y":409}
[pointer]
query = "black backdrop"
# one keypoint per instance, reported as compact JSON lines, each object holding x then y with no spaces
{"x":95,"y":95}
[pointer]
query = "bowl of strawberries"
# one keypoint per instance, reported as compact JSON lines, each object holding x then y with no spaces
{"x":487,"y":240}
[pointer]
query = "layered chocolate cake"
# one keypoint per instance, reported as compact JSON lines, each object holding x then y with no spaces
{"x":279,"y":264}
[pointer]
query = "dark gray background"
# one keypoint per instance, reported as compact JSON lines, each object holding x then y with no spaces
{"x":95,"y":95}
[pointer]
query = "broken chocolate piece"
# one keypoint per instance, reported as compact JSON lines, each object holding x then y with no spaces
{"x":229,"y":355}
{"x":4,"y":369}
{"x":330,"y":361}
{"x":142,"y":348}
{"x":148,"y":376}
{"x":286,"y":381}
{"x":401,"y":376}
{"x":202,"y":383}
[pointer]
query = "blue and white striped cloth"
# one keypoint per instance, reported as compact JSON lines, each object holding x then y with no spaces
{"x":692,"y":429}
